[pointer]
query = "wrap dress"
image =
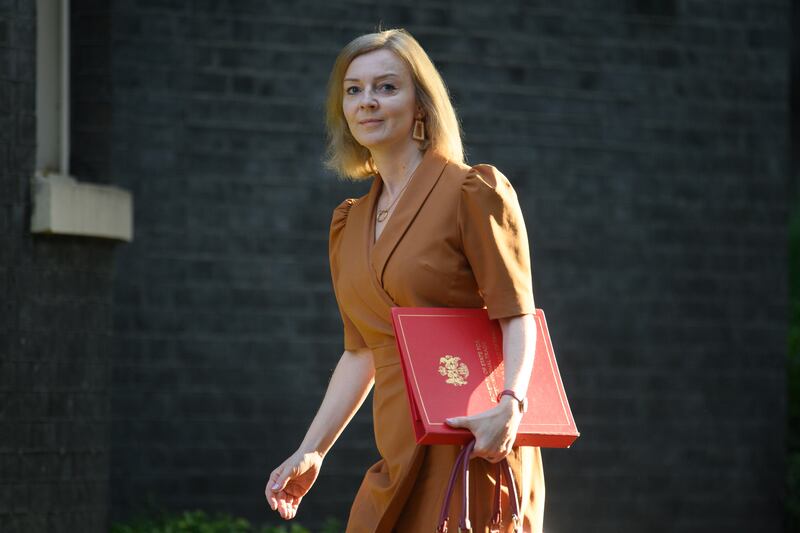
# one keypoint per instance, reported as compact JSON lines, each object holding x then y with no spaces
{"x":455,"y":239}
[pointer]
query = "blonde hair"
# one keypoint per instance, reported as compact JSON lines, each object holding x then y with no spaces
{"x":442,"y":130}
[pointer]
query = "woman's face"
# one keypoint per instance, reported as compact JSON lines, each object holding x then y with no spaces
{"x":379,"y":101}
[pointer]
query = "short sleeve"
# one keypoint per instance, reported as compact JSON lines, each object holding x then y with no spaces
{"x":352,"y":338}
{"x":495,"y":242}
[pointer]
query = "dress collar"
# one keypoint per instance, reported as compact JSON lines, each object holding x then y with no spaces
{"x":424,"y":179}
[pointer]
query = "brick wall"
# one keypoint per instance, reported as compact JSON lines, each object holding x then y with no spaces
{"x":55,"y":328}
{"x":90,"y":73}
{"x":225,"y":322}
{"x":794,"y":103}
{"x":648,"y":143}
{"x":658,"y":198}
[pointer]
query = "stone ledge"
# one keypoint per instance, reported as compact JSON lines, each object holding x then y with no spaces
{"x":63,"y":205}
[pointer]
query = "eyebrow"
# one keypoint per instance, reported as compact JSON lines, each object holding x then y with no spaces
{"x":387,"y":75}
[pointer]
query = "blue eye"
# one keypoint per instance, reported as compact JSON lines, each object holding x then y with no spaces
{"x":351,"y":90}
{"x":388,"y":87}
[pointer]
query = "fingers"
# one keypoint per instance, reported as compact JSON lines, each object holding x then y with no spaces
{"x":285,"y":504}
{"x":286,"y":509}
{"x":273,"y":486}
{"x":459,"y":422}
{"x":269,"y":493}
{"x":278,"y":480}
{"x":282,"y":476}
{"x":279,"y":498}
{"x":288,"y":505}
{"x":493,"y":454}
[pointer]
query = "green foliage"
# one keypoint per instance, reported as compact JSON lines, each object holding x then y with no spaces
{"x":200,"y":522}
{"x":331,"y":525}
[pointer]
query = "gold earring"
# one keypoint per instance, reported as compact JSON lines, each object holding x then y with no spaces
{"x":419,"y":130}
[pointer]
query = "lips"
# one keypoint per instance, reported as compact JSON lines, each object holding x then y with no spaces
{"x":370,"y":121}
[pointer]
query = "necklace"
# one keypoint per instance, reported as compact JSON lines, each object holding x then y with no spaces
{"x":383,"y":213}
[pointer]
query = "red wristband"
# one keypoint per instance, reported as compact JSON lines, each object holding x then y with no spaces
{"x":523,"y":403}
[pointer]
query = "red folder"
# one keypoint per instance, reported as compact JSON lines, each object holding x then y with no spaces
{"x":453,"y":365}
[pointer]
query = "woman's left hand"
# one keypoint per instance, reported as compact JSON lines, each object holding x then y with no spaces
{"x":495,"y":429}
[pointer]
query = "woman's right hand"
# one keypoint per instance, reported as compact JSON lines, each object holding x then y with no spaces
{"x":291,"y":481}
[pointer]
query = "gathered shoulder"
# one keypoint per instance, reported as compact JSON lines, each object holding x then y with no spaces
{"x":495,"y":242}
{"x":487,"y":194}
{"x":477,"y":176}
{"x":342,"y":211}
{"x":339,"y":222}
{"x":340,"y":214}
{"x":484,"y":175}
{"x":485,"y":180}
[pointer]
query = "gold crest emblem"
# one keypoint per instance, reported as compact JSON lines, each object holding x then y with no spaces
{"x":454,"y":370}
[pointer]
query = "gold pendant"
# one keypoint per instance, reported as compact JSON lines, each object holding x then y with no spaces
{"x":382,"y":213}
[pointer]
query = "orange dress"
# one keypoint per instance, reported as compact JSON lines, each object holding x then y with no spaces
{"x":455,"y":239}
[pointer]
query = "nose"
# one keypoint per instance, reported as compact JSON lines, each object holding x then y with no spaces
{"x":368,"y":100}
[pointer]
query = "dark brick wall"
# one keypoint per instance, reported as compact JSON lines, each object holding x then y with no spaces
{"x":648,"y":143}
{"x":794,"y":104}
{"x":90,"y":57}
{"x":657,"y":193}
{"x":225,"y":322}
{"x":55,"y":329}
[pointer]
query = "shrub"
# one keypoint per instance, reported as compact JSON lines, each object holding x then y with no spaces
{"x":201,"y":522}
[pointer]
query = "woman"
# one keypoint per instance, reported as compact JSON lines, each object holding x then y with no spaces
{"x":431,"y":232}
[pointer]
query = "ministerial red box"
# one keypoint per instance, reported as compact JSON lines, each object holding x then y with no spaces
{"x":453,"y":365}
